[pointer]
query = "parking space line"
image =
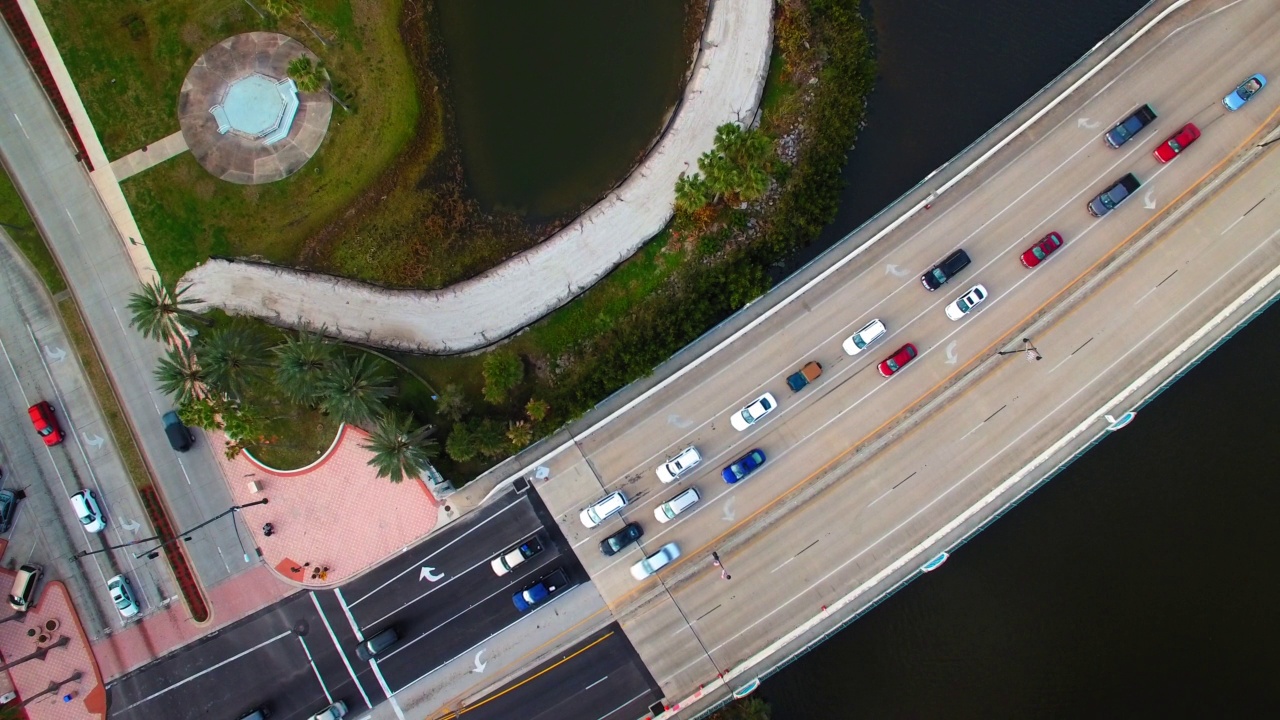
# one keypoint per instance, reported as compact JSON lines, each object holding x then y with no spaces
{"x":316,"y":670}
{"x":208,"y":670}
{"x":350,"y":670}
{"x":342,"y":602}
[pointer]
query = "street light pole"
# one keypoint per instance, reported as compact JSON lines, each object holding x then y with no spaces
{"x":187,"y":535}
{"x":1027,"y":347}
{"x":715,"y":560}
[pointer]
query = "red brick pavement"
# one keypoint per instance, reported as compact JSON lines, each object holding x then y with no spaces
{"x":334,"y":519}
{"x":88,"y":697}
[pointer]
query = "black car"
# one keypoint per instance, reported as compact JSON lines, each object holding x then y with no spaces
{"x":950,"y":266}
{"x":619,"y":540}
{"x":8,"y":503}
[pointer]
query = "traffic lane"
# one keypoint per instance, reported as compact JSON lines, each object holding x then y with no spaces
{"x":429,"y":641}
{"x":949,"y":462}
{"x":227,"y":668}
{"x":431,"y":567}
{"x":601,"y":677}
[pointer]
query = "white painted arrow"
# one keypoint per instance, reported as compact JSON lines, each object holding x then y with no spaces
{"x":1149,"y":202}
{"x":728,"y":509}
{"x":479,"y":666}
{"x":677,"y":421}
{"x":1084,"y":123}
{"x":429,"y":573}
{"x":55,"y":354}
{"x":895,"y":271}
{"x":94,"y":440}
{"x":951,"y":353}
{"x":131,"y":525}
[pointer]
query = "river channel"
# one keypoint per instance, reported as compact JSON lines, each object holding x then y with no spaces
{"x":1137,"y":582}
{"x":555,"y":101}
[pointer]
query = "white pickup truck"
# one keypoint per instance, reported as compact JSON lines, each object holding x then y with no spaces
{"x":508,"y":560}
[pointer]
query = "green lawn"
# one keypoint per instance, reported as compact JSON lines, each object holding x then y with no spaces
{"x":129,"y":57}
{"x":19,"y":225}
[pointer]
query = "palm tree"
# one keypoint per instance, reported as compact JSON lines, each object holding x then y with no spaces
{"x":309,"y":77}
{"x":302,"y":362}
{"x":399,"y":450}
{"x":158,"y":313}
{"x":234,"y":359}
{"x":355,"y":390}
{"x":180,"y":375}
{"x":691,"y":192}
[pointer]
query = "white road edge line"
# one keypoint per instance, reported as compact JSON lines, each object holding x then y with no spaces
{"x":351,"y":619}
{"x":350,"y":670}
{"x":606,"y":677}
{"x":637,"y":697}
{"x":208,"y":670}
{"x":315,"y":669}
{"x":391,"y":697}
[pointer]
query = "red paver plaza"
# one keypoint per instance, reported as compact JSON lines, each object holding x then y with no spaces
{"x":334,"y":519}
{"x":52,"y":624}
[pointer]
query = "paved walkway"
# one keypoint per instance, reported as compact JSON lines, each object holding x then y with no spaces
{"x":149,"y":156}
{"x":51,"y":620}
{"x":333,"y":520}
{"x":727,"y":80}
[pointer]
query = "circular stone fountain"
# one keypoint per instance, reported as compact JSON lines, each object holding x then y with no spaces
{"x":242,"y":117}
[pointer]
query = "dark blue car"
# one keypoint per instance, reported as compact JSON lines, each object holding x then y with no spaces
{"x":743,"y":466}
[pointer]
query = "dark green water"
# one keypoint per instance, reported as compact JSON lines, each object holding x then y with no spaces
{"x":555,"y":101}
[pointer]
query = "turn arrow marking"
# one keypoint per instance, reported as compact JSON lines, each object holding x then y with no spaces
{"x":429,"y":573}
{"x":479,"y":666}
{"x":952,"y":358}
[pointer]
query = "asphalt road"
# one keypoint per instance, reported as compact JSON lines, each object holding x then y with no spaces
{"x":441,"y":596}
{"x":862,"y":470}
{"x":600,"y":677}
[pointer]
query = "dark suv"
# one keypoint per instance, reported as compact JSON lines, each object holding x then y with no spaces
{"x":1108,"y":199}
{"x":939,"y":274}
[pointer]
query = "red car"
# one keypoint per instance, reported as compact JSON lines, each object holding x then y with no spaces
{"x":898,"y":360}
{"x":1170,"y":148}
{"x":45,"y":422}
{"x":1041,"y":250}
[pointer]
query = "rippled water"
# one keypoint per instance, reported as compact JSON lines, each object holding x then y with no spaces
{"x":555,"y":101}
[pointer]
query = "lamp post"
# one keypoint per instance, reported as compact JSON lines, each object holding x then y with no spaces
{"x":1027,"y":347}
{"x":715,"y":560}
{"x":186,"y":536}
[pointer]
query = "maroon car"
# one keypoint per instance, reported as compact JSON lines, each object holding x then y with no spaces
{"x":1170,"y":148}
{"x":1041,"y":250}
{"x":898,"y":360}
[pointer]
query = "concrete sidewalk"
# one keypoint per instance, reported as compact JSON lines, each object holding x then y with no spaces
{"x":725,"y":86}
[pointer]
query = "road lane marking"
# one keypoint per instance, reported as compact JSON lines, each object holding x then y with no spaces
{"x":351,"y":620}
{"x":377,"y":672}
{"x":416,"y":567}
{"x":208,"y":670}
{"x":529,"y":679}
{"x":477,"y":603}
{"x":350,"y":670}
{"x":883,"y":495}
{"x":328,"y":698}
{"x":623,"y":705}
{"x":606,"y":677}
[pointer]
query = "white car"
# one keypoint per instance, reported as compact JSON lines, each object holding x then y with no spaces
{"x":655,"y":562}
{"x":679,"y":465}
{"x":87,"y":508}
{"x":676,"y":505}
{"x":858,"y":341}
{"x":122,"y":595}
{"x":603,"y":508}
{"x":751,"y":414}
{"x":336,"y":711}
{"x":967,"y":302}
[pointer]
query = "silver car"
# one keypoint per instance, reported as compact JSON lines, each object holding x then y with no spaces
{"x":655,"y":562}
{"x":122,"y":595}
{"x":602,"y":509}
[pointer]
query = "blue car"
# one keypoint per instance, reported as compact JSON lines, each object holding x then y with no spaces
{"x":1245,"y":90}
{"x":743,"y":466}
